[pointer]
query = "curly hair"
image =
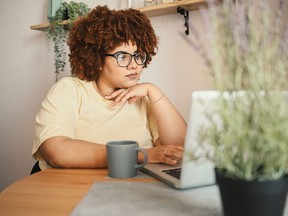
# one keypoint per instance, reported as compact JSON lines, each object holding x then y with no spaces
{"x":103,"y":30}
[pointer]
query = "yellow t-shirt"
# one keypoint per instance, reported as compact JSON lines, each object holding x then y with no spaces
{"x":74,"y":109}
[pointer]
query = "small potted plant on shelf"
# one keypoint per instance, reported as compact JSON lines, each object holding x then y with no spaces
{"x":57,"y":31}
{"x":246,"y":51}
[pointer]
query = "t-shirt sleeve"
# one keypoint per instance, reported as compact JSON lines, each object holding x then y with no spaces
{"x":58,"y":114}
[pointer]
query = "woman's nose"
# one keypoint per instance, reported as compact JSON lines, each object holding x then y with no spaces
{"x":132,"y":64}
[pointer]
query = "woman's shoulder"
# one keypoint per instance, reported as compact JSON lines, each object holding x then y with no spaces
{"x":72,"y":81}
{"x":70,"y":84}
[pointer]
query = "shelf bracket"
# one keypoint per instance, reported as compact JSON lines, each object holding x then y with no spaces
{"x":185,"y":13}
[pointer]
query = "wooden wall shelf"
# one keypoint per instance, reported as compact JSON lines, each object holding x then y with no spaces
{"x":151,"y":11}
{"x":171,"y":8}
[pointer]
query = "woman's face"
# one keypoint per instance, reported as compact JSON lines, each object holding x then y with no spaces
{"x":114,"y":76}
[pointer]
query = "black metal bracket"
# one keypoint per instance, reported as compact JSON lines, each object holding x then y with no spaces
{"x":185,"y":13}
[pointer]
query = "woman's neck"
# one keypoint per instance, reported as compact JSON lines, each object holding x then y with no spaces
{"x":101,"y":88}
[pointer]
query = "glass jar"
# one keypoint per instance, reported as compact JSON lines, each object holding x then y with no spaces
{"x":150,"y":3}
{"x":135,"y":3}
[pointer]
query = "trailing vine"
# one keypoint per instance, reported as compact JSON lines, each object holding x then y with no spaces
{"x":57,"y":31}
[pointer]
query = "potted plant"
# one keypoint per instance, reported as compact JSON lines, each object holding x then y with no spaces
{"x":57,"y":31}
{"x":245,"y":50}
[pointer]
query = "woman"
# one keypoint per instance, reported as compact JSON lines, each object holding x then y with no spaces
{"x":103,"y":100}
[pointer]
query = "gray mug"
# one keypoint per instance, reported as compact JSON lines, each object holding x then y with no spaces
{"x":122,"y":157}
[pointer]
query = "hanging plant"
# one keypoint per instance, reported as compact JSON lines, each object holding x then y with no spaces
{"x":57,"y":31}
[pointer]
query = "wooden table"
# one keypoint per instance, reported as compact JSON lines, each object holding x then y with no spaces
{"x":52,"y":192}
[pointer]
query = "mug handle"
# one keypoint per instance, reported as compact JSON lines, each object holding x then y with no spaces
{"x":145,"y":157}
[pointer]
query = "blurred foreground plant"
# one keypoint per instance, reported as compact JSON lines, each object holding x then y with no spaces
{"x":245,"y":49}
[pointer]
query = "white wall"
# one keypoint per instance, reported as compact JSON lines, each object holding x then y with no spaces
{"x":26,"y":74}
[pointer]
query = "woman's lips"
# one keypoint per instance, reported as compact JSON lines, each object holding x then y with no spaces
{"x":132,"y":75}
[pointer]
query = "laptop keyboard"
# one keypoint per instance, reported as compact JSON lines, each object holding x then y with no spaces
{"x":173,"y":172}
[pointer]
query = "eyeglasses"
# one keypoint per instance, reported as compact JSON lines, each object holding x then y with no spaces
{"x":124,"y":58}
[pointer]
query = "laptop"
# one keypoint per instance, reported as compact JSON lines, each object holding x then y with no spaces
{"x":191,"y":173}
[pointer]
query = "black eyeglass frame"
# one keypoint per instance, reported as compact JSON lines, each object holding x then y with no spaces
{"x":115,"y":55}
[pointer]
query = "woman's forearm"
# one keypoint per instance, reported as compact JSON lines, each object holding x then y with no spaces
{"x":65,"y":152}
{"x":171,"y":125}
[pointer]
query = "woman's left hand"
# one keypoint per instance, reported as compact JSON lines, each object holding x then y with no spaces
{"x":170,"y":154}
{"x":131,"y":95}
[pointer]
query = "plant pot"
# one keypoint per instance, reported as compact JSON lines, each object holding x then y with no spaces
{"x":252,"y":198}
{"x":53,"y":6}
